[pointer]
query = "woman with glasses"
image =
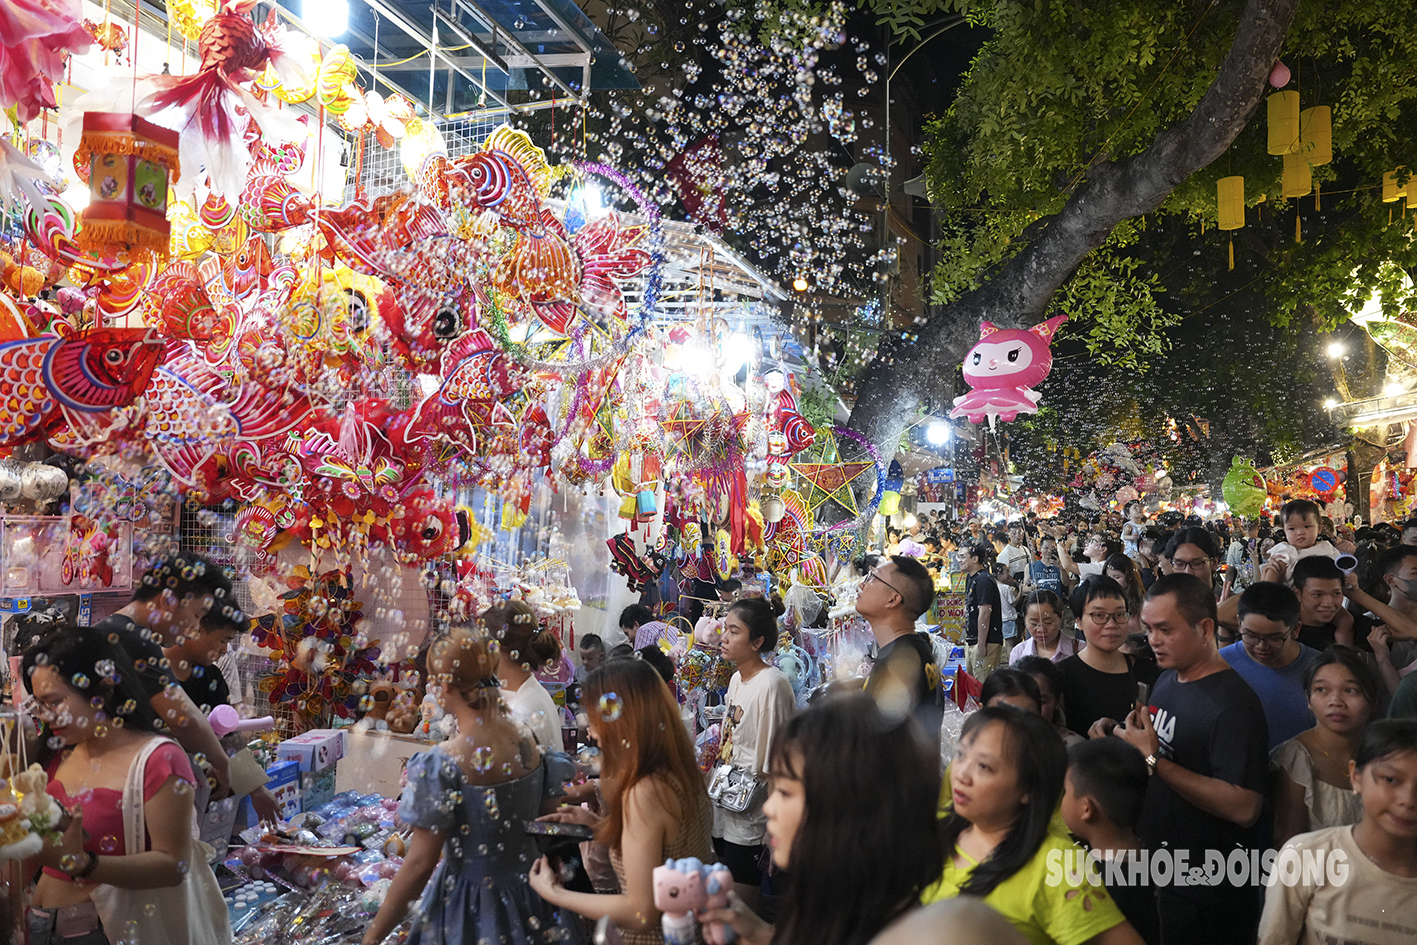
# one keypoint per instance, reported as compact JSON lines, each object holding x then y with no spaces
{"x":1101,"y":681}
{"x":1043,"y":623}
{"x":1096,"y":550}
{"x":1125,"y":572}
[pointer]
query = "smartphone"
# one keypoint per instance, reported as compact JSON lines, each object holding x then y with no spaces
{"x":576,"y":832}
{"x":1143,"y":694}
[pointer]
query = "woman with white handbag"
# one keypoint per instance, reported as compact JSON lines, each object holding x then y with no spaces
{"x":127,"y":868}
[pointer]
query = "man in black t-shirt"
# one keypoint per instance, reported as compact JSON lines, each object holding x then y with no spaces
{"x":983,"y":614}
{"x":168,"y":605}
{"x":905,"y":678}
{"x":192,"y":663}
{"x":1205,"y":739}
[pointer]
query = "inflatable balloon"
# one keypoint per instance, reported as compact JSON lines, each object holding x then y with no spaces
{"x":1002,"y":368}
{"x":890,"y":498}
{"x":1244,"y":488}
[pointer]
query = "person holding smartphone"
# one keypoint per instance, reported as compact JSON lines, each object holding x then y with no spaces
{"x":1100,"y":681}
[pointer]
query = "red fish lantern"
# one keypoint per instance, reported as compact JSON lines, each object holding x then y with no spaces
{"x":128,"y":160}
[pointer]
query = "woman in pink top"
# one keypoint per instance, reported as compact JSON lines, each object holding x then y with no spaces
{"x":1043,"y":619}
{"x":96,"y":719}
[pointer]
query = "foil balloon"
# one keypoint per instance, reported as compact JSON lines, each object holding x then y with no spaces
{"x":1001,"y":370}
{"x":1243,"y":488}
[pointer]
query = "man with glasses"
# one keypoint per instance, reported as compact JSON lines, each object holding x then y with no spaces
{"x":905,"y":678}
{"x":1193,"y":551}
{"x":983,"y":615}
{"x":1272,"y":660}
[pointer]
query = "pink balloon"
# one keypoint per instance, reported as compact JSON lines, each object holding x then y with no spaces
{"x":1279,"y":75}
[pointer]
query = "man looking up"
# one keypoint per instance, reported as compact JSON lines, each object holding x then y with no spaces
{"x":167,"y":608}
{"x":905,"y":678}
{"x":1205,"y":738}
{"x":1272,"y":660}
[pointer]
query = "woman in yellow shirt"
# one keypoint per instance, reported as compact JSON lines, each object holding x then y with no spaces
{"x":1005,"y":784}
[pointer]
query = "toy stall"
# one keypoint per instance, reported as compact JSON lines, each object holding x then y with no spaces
{"x":388,"y":363}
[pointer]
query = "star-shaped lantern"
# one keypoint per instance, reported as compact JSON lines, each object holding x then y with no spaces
{"x":827,"y":477}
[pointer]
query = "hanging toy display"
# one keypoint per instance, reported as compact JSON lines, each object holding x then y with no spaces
{"x":1001,"y":370}
{"x":127,"y":161}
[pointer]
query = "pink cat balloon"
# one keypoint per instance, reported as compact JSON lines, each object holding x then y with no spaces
{"x":1001,"y":369}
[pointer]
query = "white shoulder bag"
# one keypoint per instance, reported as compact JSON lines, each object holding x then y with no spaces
{"x":190,"y":913}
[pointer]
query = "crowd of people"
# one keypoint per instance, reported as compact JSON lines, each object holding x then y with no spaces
{"x":1198,"y":733}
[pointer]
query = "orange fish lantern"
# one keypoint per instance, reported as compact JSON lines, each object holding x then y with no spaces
{"x":128,"y":160}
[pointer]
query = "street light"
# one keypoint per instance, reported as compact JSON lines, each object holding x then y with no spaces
{"x":1330,"y":403}
{"x":937,"y":433}
{"x":1336,"y":349}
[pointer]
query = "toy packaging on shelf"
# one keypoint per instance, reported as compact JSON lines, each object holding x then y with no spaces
{"x":284,"y":783}
{"x":315,"y":750}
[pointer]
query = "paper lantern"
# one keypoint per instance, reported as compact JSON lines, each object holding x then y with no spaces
{"x":128,"y":161}
{"x":1298,"y":178}
{"x":1391,"y":188}
{"x":1230,"y":196}
{"x":1283,"y":114}
{"x":773,"y":509}
{"x":1316,"y":135}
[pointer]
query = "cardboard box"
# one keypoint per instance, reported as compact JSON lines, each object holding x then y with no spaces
{"x":218,"y":823}
{"x":317,"y":789}
{"x":284,"y":783}
{"x":316,"y":750}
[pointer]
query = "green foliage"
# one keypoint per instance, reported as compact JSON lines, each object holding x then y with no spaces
{"x":1111,"y":297}
{"x":817,"y":406}
{"x":1062,"y":86}
{"x":904,"y":18}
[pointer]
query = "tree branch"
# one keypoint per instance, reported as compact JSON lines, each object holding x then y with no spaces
{"x":902,"y":374}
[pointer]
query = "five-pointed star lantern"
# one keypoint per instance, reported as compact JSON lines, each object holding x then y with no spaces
{"x":828,"y":478}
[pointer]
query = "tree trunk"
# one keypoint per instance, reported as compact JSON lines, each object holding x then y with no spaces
{"x":1362,"y":457}
{"x":904,"y":373}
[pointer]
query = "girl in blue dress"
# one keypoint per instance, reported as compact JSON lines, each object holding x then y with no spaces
{"x":469,"y":800}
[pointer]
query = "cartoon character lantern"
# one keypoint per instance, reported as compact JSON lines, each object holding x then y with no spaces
{"x":1001,"y":370}
{"x":127,"y":160}
{"x":1243,"y":488}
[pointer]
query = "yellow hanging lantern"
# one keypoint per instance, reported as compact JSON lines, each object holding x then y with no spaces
{"x":1230,"y":196}
{"x":1298,"y":177}
{"x":1283,"y":114}
{"x":1391,"y":189}
{"x":128,"y":160}
{"x":1316,"y":134}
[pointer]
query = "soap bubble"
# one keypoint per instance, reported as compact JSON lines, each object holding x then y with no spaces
{"x":610,"y":707}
